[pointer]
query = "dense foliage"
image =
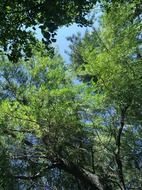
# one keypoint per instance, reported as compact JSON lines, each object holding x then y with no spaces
{"x":19,"y":19}
{"x":76,"y":126}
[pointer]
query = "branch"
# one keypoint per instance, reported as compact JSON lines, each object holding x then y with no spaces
{"x":32,"y":177}
{"x":118,"y":144}
{"x":86,"y":177}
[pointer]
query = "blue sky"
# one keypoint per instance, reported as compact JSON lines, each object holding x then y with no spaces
{"x":62,"y":43}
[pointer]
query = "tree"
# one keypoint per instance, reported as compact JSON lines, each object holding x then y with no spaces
{"x":20,"y":19}
{"x":57,"y":133}
{"x":42,"y":127}
{"x":112,"y":56}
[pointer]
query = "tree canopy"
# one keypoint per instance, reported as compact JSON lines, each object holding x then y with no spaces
{"x":76,"y":126}
{"x":20,"y":19}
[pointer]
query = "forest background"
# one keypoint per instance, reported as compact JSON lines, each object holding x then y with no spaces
{"x":71,"y":126}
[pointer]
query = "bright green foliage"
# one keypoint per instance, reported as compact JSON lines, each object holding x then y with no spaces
{"x":109,"y":59}
{"x":40,"y":106}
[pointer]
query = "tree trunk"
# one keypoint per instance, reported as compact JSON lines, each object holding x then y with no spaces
{"x":87,"y":178}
